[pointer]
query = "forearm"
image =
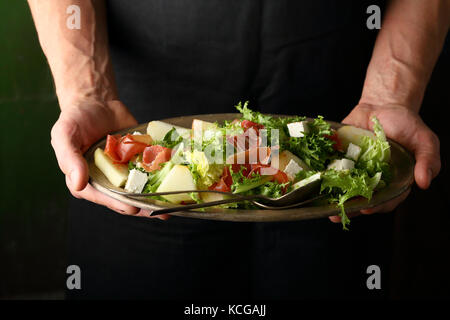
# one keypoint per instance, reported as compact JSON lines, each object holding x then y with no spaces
{"x":406,"y":50}
{"x":78,"y":58}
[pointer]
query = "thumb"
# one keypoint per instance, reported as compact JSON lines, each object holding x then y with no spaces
{"x":67,"y":146}
{"x":427,"y":152}
{"x":359,"y":117}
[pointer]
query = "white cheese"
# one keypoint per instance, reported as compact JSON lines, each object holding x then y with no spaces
{"x":136,"y":181}
{"x":343,"y":164}
{"x":292,"y":169}
{"x":298,"y":129}
{"x":353,"y":151}
{"x":347,"y":164}
{"x":306,"y":181}
{"x":137,"y":133}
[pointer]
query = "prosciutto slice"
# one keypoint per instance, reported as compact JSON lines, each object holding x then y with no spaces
{"x":153,"y":156}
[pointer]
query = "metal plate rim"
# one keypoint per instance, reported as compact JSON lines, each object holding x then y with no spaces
{"x":309,"y":212}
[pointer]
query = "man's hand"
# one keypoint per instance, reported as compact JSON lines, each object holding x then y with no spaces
{"x":74,"y":132}
{"x":405,"y":52}
{"x":87,"y":94}
{"x":407,"y":128}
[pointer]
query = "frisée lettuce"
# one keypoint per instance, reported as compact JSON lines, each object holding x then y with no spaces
{"x":318,"y":150}
{"x":375,"y":153}
{"x":204,"y":172}
{"x":346,"y":184}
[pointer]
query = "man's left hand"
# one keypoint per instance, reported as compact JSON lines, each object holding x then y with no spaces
{"x":407,"y":128}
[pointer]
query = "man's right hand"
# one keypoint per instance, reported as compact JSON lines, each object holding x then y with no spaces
{"x":77,"y":128}
{"x":82,"y":70}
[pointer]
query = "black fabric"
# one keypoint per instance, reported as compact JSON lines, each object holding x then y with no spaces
{"x":174,"y":58}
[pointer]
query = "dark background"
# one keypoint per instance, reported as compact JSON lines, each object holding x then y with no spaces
{"x":33,"y":205}
{"x":33,"y":196}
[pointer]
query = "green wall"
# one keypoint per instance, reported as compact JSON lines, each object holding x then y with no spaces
{"x":33,"y":205}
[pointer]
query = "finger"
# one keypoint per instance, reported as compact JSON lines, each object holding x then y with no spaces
{"x":389,"y":206}
{"x":428,"y":162}
{"x":91,"y":194}
{"x":359,"y":118}
{"x":337,"y":219}
{"x":146,"y":213}
{"x":68,"y":154}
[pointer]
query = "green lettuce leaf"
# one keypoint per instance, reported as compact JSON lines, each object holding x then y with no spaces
{"x":204,"y":172}
{"x":346,"y":184}
{"x":256,"y":184}
{"x":315,"y":148}
{"x":156,"y":177}
{"x":242,"y":184}
{"x":375,"y":153}
{"x":268,"y":122}
{"x":171,"y":139}
{"x":272,"y":189}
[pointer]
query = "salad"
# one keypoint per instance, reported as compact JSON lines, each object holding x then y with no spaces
{"x":255,"y":154}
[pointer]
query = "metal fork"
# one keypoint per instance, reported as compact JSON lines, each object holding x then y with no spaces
{"x":295,"y":198}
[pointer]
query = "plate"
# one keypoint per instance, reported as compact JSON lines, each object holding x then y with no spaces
{"x":402,"y":163}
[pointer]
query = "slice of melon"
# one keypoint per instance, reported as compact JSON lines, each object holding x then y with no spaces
{"x":144,"y":138}
{"x":178,"y":178}
{"x":352,"y":134}
{"x":117,"y":174}
{"x":283,"y":160}
{"x":210,"y":196}
{"x":202,"y":125}
{"x":202,"y":130}
{"x":158,"y":129}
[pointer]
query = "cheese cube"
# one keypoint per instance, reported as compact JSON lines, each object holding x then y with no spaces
{"x":353,"y":151}
{"x":342,"y":164}
{"x":347,"y":164}
{"x":298,"y":129}
{"x":292,"y":169}
{"x":280,"y":161}
{"x":136,"y":181}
